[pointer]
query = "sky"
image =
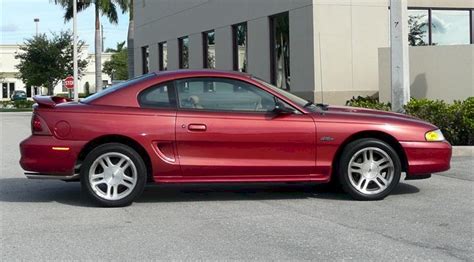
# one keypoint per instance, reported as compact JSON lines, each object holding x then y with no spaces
{"x":16,"y":22}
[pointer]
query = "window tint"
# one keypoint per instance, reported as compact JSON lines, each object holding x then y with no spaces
{"x":418,"y":24}
{"x":450,"y":27}
{"x":439,"y":27}
{"x":209,"y":44}
{"x":156,"y":97}
{"x":183,"y":50}
{"x":220,"y":94}
{"x":118,"y":87}
{"x":280,"y":55}
{"x":240,"y":47}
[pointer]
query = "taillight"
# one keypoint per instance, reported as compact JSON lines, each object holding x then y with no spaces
{"x":38,"y":126}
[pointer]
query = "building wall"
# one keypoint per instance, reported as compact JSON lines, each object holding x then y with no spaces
{"x":166,"y":20}
{"x":347,"y":37}
{"x":8,"y":71}
{"x":333,"y":43}
{"x":436,"y":72}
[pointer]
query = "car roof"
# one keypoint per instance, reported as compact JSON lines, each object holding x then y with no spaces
{"x":182,"y":73}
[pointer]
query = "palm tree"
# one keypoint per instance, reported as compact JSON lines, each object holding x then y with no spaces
{"x":117,"y":49}
{"x":107,"y":8}
{"x":130,"y":43}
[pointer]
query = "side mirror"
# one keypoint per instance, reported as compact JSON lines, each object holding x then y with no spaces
{"x":281,"y":109}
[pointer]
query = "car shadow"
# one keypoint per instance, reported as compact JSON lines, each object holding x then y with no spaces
{"x":69,"y":193}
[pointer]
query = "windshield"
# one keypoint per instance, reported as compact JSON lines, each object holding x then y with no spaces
{"x":116,"y":87}
{"x":295,"y":99}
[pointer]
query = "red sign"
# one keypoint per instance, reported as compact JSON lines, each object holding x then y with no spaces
{"x":69,"y":82}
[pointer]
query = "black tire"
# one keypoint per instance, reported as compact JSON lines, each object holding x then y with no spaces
{"x":343,"y":164}
{"x":113,"y":148}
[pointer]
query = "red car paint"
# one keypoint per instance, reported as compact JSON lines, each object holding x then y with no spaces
{"x":199,"y":146}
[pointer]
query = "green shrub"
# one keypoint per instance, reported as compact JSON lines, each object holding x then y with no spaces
{"x":22,"y":104}
{"x":368,"y":102}
{"x":18,"y":104}
{"x":66,"y":95}
{"x":455,"y":120}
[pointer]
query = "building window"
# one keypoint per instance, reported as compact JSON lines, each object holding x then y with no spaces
{"x":145,"y":60}
{"x":239,"y":36}
{"x":432,"y":26}
{"x":418,"y":27}
{"x":4,"y":90}
{"x":12,"y":88}
{"x":183,"y":49}
{"x":450,"y":27}
{"x":280,"y":50}
{"x":209,"y":49}
{"x":163,"y":56}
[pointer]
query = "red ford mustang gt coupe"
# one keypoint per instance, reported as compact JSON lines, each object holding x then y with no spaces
{"x":215,"y":126}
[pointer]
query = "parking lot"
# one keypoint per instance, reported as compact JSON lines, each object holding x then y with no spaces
{"x":51,"y":220}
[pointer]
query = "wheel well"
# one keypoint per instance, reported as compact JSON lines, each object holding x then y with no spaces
{"x":377,"y":135}
{"x":115,"y":139}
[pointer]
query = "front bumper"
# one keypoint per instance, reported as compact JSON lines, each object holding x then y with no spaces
{"x":427,"y":157}
{"x":40,"y":154}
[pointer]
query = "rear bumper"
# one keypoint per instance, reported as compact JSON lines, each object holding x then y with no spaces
{"x":427,"y":157}
{"x":48,"y":155}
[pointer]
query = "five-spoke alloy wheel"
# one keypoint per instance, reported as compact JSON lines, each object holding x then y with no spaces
{"x":113,"y":174}
{"x":369,"y":169}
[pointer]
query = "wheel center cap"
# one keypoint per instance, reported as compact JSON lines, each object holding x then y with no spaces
{"x":113,"y":175}
{"x":370,"y":171}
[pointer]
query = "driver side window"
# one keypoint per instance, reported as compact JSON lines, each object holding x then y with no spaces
{"x":220,"y":94}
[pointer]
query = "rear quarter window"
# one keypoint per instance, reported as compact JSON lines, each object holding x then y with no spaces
{"x":117,"y":87}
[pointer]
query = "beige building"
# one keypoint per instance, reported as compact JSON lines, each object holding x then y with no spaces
{"x":324,"y":50}
{"x":10,"y":82}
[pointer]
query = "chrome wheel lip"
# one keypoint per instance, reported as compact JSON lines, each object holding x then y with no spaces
{"x":113,"y":176}
{"x":379,"y":173}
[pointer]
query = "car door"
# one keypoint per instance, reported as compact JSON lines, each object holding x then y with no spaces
{"x":157,"y":121}
{"x":226,"y":129}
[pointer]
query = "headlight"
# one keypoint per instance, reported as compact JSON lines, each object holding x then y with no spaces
{"x":434,"y":136}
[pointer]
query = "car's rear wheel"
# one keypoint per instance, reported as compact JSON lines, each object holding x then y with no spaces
{"x":369,"y":169}
{"x":113,"y":175}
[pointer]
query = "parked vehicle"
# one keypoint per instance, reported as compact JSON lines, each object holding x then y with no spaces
{"x":18,"y":95}
{"x":215,"y":126}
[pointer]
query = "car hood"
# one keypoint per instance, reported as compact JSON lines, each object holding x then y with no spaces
{"x":359,"y":110}
{"x":356,"y":114}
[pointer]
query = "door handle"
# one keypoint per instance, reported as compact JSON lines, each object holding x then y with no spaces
{"x":197,"y":127}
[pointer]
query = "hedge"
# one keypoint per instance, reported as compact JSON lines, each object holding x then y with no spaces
{"x":455,"y":120}
{"x":18,"y":104}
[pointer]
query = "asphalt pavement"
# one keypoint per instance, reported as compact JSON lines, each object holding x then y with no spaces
{"x":51,"y":220}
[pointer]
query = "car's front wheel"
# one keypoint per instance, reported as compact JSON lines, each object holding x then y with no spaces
{"x":113,"y":175}
{"x":369,"y":169}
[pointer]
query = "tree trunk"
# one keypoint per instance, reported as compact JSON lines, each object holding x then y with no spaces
{"x":50,"y":88}
{"x":98,"y":51}
{"x":130,"y":44}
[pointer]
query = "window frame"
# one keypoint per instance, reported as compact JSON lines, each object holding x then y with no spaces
{"x":430,"y":9}
{"x":205,"y":49}
{"x":181,"y":52}
{"x":161,"y":58}
{"x":273,"y":55}
{"x":235,"y":46}
{"x":171,"y":96}
{"x":145,"y":59}
{"x":227,"y":79}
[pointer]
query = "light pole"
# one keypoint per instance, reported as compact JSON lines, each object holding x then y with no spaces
{"x":36,"y":20}
{"x":74,"y":56}
{"x":400,"y":72}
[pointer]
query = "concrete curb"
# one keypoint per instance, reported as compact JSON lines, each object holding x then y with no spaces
{"x":463,"y":151}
